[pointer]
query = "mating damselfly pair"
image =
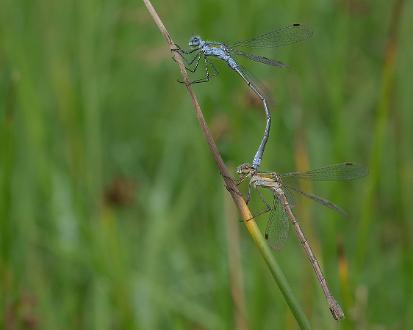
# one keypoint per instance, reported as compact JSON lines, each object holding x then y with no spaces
{"x":279,"y":184}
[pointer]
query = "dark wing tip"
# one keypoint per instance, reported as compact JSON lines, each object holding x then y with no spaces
{"x":307,"y":30}
{"x":362,"y":170}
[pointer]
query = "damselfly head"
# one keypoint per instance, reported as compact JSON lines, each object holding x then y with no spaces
{"x":244,"y":169}
{"x":195,"y":41}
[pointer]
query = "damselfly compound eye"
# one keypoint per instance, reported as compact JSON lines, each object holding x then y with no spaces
{"x":244,"y":168}
{"x":195,"y":41}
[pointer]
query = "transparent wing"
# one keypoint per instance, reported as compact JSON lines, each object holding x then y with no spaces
{"x":277,"y":38}
{"x":260,"y":59}
{"x":253,"y":81}
{"x":338,"y":172}
{"x":320,"y":200}
{"x":276,"y":231}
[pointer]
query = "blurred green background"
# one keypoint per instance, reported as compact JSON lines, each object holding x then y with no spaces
{"x":112,"y":211}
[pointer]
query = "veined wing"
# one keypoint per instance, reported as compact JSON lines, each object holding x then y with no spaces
{"x":253,"y":81}
{"x":338,"y":172}
{"x":277,"y":38}
{"x":276,"y":231}
{"x":257,"y":58}
{"x":320,"y":200}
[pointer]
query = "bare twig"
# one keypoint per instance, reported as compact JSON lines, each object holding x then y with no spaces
{"x":233,"y":189}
